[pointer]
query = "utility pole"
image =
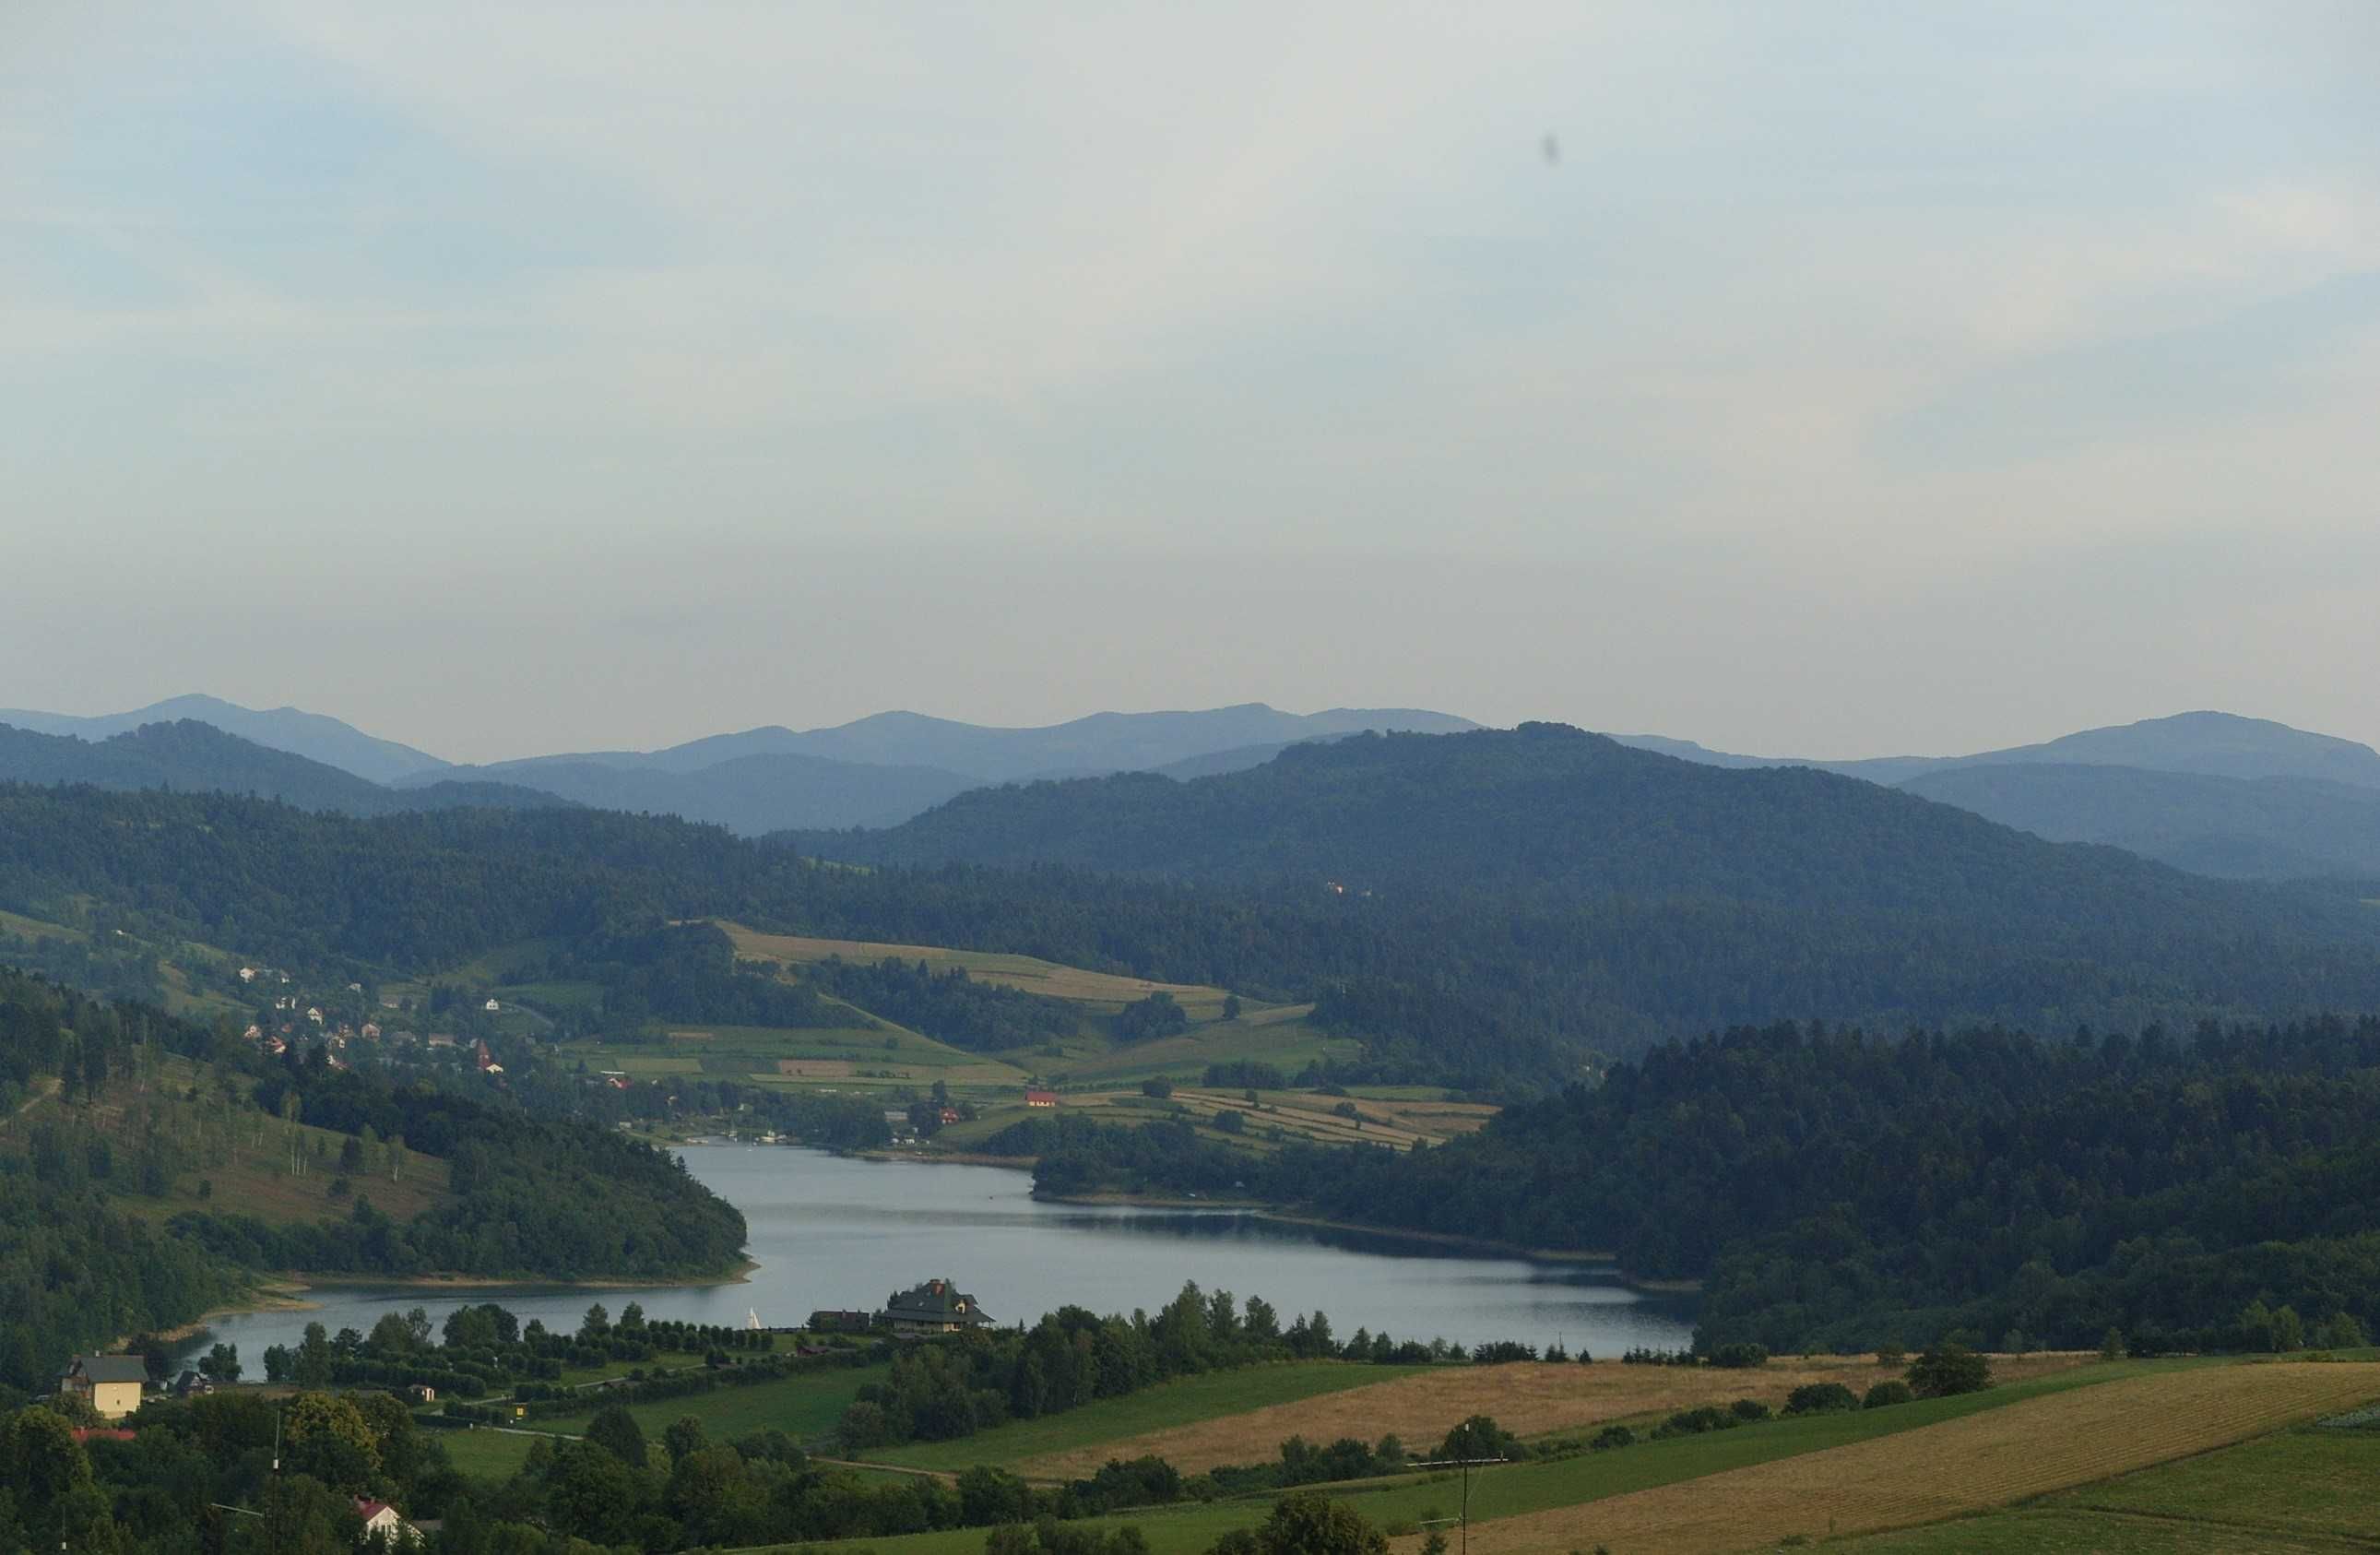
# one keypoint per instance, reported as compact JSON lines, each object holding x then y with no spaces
{"x":1463,"y":1461}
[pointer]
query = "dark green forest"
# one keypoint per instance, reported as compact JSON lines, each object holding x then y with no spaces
{"x":1832,"y":1189}
{"x":1670,"y":915}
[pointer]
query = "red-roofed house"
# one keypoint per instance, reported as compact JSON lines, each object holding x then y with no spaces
{"x":381,"y":1522}
{"x":1041,"y":1099}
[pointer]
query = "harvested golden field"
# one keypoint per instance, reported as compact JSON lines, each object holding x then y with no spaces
{"x":1046,"y":978}
{"x":1965,"y":1465}
{"x":1529,"y":1398}
{"x":816,"y":1068}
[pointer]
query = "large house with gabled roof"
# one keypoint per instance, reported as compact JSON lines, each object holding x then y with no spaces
{"x":112,"y":1383}
{"x":936,"y":1306}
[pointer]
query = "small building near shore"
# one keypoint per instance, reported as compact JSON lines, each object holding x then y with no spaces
{"x":1041,"y":1099}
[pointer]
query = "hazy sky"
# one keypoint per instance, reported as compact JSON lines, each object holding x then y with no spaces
{"x":1840,"y":379}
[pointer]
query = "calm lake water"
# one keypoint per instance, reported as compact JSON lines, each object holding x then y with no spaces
{"x":831,"y":1232}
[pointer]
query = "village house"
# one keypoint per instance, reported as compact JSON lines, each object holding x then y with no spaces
{"x":112,"y":1383}
{"x":491,"y":1006}
{"x":382,"y":1523}
{"x":1041,"y":1099}
{"x":936,"y":1306}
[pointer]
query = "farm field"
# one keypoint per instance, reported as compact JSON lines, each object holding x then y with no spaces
{"x":2304,"y":1489}
{"x":1097,"y":1431}
{"x":1529,"y":1398}
{"x":2031,"y":1447}
{"x":804,"y":1407}
{"x":1048,"y":978}
{"x":1524,"y":1489}
{"x":1279,"y":1036}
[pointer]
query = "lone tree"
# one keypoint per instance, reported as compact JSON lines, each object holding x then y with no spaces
{"x":1949,"y":1367}
{"x":616,"y":1429}
{"x":1307,"y":1524}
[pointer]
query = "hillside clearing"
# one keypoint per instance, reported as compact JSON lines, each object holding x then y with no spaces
{"x":1527,"y":1398}
{"x":2027,"y":1449}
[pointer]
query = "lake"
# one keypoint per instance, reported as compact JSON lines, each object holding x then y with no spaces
{"x":832,"y":1232}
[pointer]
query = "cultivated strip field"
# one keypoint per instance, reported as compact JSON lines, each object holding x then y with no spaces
{"x":1529,"y":1398}
{"x":1046,"y":978}
{"x":2302,"y":1490}
{"x":1985,"y":1460}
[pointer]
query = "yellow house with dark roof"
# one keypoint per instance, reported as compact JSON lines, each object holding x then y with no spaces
{"x":113,"y":1384}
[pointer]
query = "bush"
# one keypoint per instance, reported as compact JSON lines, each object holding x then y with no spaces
{"x":1820,"y":1397}
{"x":1947,"y":1369}
{"x":1885,"y":1394}
{"x":1750,"y":1411}
{"x":1694,"y":1422}
{"x":1611,"y":1437}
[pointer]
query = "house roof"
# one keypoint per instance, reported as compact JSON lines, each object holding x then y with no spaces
{"x":935,"y":1301}
{"x":368,"y":1509}
{"x":1032,"y":1096}
{"x":109,"y":1368}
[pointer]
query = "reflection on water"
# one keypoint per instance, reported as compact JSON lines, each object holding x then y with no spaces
{"x":829,"y":1231}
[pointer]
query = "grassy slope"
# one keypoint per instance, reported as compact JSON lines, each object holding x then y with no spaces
{"x":805,"y":1406}
{"x":1175,"y":1404}
{"x":255,"y":1180}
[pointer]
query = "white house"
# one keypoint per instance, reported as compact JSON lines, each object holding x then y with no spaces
{"x":382,"y":1523}
{"x":491,"y":1006}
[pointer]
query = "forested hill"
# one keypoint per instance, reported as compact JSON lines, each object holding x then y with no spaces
{"x":194,"y":756}
{"x":1943,"y":919}
{"x":88,"y":1127}
{"x":1837,"y":1190}
{"x":1559,"y":813}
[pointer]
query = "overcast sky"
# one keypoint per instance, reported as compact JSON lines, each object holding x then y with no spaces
{"x":1824,"y":379}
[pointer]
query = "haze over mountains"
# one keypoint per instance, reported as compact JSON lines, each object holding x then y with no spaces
{"x":2208,"y":791}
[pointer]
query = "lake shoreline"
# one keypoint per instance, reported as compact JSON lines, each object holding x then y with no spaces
{"x":1109,"y":1198}
{"x":287,"y":1291}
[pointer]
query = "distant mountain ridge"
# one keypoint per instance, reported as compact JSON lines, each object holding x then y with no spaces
{"x":2211,"y":744}
{"x":875,"y":771}
{"x":2212,"y":793}
{"x":190,"y":756}
{"x":1543,"y":806}
{"x":311,"y":735}
{"x":884,"y":768}
{"x":750,"y":794}
{"x":1101,"y":743}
